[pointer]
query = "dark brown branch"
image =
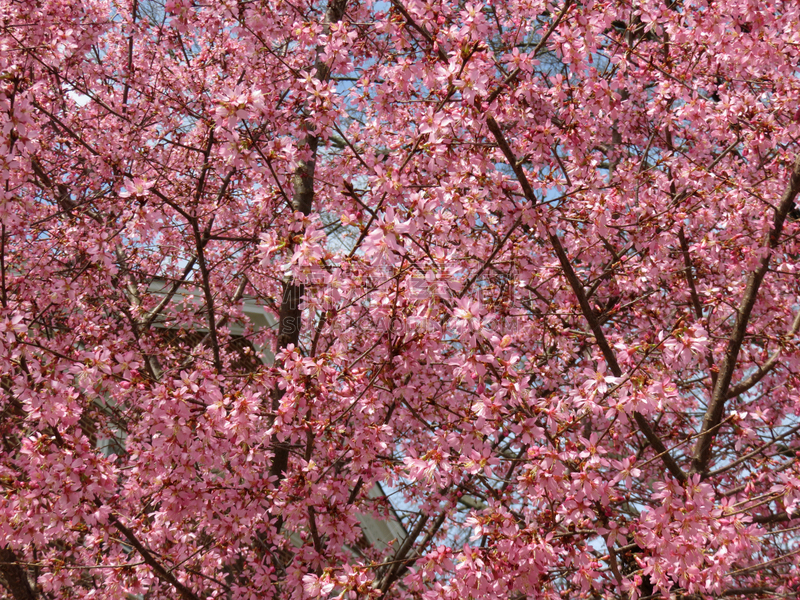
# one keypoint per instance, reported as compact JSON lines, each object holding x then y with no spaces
{"x":742,"y":591}
{"x":67,"y":129}
{"x":586,"y":309}
{"x":205,"y":276}
{"x":611,"y":360}
{"x":399,"y":558}
{"x":489,"y":260}
{"x":401,"y":567}
{"x":702,"y":451}
{"x":290,"y":316}
{"x":60,"y":191}
{"x":3,"y":287}
{"x":771,"y":518}
{"x":312,"y":525}
{"x":200,"y":243}
{"x":129,"y":71}
{"x":413,"y":25}
{"x":515,"y":73}
{"x":689,"y":272}
{"x":160,"y":572}
{"x":758,"y":450}
{"x":159,"y":308}
{"x":14,"y":577}
{"x":511,"y":159}
{"x":766,"y":368}
{"x":237,"y":295}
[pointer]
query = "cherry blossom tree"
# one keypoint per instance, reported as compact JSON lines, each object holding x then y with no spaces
{"x":533,"y":269}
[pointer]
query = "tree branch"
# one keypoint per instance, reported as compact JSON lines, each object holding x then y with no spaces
{"x":766,"y":368}
{"x":586,"y":309}
{"x":160,"y":572}
{"x":702,"y":451}
{"x":290,"y":317}
{"x":159,"y":308}
{"x":14,"y":577}
{"x":689,"y":272}
{"x":515,"y":73}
